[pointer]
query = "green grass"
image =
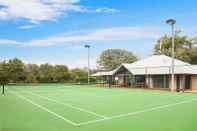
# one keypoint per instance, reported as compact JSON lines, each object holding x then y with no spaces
{"x":87,"y":108}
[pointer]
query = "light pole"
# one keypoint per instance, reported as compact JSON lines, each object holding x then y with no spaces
{"x":172,"y":22}
{"x":160,"y":47}
{"x":88,"y":47}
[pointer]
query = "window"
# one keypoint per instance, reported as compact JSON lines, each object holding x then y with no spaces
{"x":160,"y":81}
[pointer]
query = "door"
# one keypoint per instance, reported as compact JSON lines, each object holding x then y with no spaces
{"x":188,"y":82}
{"x":178,"y":82}
{"x":140,"y":81}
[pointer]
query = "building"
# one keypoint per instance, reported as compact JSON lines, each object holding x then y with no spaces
{"x":153,"y":72}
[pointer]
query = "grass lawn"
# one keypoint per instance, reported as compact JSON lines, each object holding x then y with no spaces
{"x":87,"y":108}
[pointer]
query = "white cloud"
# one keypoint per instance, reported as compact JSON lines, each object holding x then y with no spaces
{"x":71,"y":63}
{"x":42,"y":10}
{"x":26,"y":26}
{"x":82,"y":62}
{"x":106,"y":10}
{"x":9,"y":42}
{"x":115,"y":33}
{"x":98,"y":10}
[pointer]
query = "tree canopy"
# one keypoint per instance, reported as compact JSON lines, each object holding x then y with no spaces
{"x":4,"y":75}
{"x":112,"y":58}
{"x":15,"y":71}
{"x":185,"y":47}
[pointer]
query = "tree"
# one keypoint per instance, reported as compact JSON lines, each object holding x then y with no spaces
{"x":79,"y":75}
{"x":193,"y":52}
{"x":112,"y":58}
{"x":46,"y":73}
{"x":185,"y":48}
{"x":61,"y":73}
{"x":32,"y":73}
{"x":193,"y":55}
{"x":4,"y":75}
{"x":16,"y":70}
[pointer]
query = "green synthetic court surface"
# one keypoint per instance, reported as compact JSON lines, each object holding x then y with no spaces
{"x":87,"y":108}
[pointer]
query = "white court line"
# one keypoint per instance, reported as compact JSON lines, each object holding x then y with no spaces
{"x":69,"y":105}
{"x":47,"y":110}
{"x":135,"y":113}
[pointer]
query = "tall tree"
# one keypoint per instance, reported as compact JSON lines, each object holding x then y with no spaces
{"x":16,"y":70}
{"x":46,"y":73}
{"x":4,"y":75}
{"x":112,"y":58}
{"x":193,"y":55}
{"x":185,"y":47}
{"x":61,"y":73}
{"x":32,"y":73}
{"x":79,"y":75}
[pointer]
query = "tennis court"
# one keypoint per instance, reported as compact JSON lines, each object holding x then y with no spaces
{"x":58,"y":107}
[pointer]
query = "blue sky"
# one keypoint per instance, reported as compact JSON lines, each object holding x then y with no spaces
{"x":54,"y":31}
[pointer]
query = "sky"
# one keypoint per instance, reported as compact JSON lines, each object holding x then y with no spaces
{"x":54,"y":31}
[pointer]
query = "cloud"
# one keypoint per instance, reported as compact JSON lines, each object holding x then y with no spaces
{"x":26,"y":26}
{"x":106,"y":10}
{"x":115,"y":33}
{"x":36,"y":11}
{"x":98,"y":10}
{"x":9,"y":42}
{"x":79,"y":62}
{"x":71,"y":63}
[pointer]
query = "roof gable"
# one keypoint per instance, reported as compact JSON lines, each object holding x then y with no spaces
{"x":156,"y":61}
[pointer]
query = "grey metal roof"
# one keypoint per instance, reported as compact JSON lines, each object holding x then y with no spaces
{"x":155,"y":65}
{"x":156,"y":61}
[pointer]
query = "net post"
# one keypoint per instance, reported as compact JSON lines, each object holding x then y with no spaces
{"x":3,"y":89}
